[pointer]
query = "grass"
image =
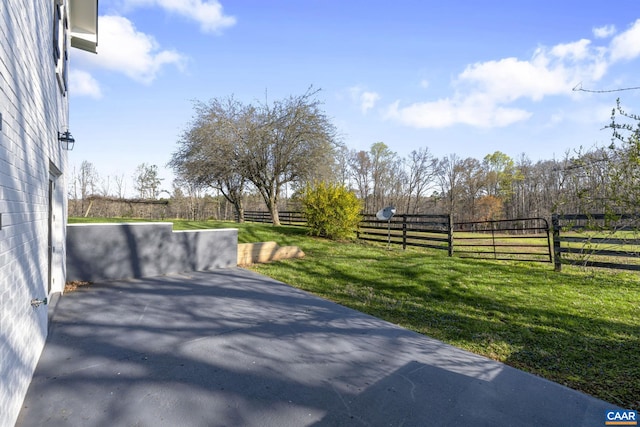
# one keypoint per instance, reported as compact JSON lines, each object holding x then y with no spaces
{"x":580,"y":327}
{"x":247,"y":232}
{"x":623,"y":245}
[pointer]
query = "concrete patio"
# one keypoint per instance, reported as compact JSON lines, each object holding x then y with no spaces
{"x":233,"y":348}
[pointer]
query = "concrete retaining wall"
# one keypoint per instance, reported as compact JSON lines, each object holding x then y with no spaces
{"x":121,"y":251}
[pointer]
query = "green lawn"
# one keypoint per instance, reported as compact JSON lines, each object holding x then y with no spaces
{"x":580,"y":327}
{"x":624,"y":246}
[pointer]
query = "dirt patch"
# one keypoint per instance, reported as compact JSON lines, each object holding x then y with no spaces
{"x":72,"y":286}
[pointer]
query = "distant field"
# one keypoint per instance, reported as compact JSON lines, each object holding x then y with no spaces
{"x":601,"y":246}
{"x":579,"y":327}
{"x":503,"y":246}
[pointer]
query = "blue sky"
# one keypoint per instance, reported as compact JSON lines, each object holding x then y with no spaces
{"x":463,"y":76}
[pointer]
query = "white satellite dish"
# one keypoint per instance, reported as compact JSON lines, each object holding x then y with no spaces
{"x":385,"y":215}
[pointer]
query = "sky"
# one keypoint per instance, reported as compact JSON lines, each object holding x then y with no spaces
{"x":464,"y":77}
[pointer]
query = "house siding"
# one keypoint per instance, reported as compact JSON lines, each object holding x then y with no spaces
{"x":33,"y":109}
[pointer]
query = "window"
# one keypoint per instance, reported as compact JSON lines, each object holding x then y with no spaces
{"x":56,"y":32}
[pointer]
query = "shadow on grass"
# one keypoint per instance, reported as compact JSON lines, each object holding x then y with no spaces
{"x":252,"y":232}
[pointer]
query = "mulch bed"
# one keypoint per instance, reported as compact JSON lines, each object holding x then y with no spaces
{"x":72,"y":286}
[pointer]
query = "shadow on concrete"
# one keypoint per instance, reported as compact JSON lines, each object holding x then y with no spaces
{"x":230,"y":348}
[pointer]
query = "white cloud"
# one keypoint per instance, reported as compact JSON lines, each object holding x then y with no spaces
{"x":483,"y":92}
{"x":576,"y":51}
{"x":626,"y":45}
{"x":549,"y":72}
{"x":424,"y":83}
{"x":369,"y":100}
{"x":83,"y":84}
{"x":365,"y":99}
{"x":477,"y":111}
{"x":208,"y":13}
{"x":124,"y":49}
{"x":604,"y":31}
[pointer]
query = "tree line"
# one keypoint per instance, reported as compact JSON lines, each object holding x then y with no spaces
{"x":258,"y":156}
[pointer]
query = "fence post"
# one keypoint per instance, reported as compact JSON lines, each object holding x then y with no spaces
{"x":450,"y":234}
{"x":557,"y":260}
{"x":493,"y":239}
{"x":404,"y":232}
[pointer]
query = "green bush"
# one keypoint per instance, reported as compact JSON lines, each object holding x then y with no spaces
{"x":331,"y":210}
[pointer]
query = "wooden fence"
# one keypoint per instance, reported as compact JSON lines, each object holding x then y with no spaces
{"x":589,"y":240}
{"x":597,"y":240}
{"x":286,"y":217}
{"x":426,"y":231}
{"x":522,"y":239}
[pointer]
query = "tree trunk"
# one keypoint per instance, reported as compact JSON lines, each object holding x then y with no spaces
{"x":272,"y":205}
{"x":270,"y":195}
{"x":239,"y":211}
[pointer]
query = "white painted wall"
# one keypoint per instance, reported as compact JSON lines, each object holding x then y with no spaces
{"x":34,"y":108}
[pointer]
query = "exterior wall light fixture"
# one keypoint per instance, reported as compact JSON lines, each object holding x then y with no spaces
{"x":67,"y":140}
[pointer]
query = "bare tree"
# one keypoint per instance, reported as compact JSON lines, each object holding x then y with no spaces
{"x":121,"y":186}
{"x":88,"y":179}
{"x":210,"y":150}
{"x":105,"y":186}
{"x":384,"y":169}
{"x":623,"y":167}
{"x":450,"y":177}
{"x":293,"y":139}
{"x":187,"y":199}
{"x":342,"y":172}
{"x":146,"y":181}
{"x":360,"y":165}
{"x":84,"y":184}
{"x":229,"y":145}
{"x":422,"y":168}
{"x":472,"y":188}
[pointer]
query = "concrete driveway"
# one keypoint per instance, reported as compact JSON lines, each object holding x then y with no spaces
{"x":233,"y":348}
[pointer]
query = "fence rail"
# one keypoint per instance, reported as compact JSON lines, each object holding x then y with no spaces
{"x":286,"y":217}
{"x":426,"y":231}
{"x":525,"y":239}
{"x":597,"y":240}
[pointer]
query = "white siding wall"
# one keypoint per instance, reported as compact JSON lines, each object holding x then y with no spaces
{"x":33,"y":110}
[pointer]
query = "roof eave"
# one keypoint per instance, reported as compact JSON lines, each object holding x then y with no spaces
{"x":83,"y":15}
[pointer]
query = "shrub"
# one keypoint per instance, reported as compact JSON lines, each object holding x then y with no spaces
{"x":331,"y":210}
